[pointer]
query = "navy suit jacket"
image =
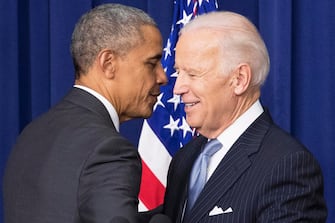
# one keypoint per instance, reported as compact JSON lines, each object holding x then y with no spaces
{"x":267,"y":176}
{"x":71,"y":165}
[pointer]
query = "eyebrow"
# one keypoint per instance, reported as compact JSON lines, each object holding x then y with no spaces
{"x":190,"y":70}
{"x":156,"y":57}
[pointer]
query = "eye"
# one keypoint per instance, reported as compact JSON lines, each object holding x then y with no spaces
{"x":151,"y":64}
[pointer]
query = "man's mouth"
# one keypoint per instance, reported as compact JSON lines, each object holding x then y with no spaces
{"x":190,"y":104}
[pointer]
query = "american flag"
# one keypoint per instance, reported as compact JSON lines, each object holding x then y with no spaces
{"x":166,"y":130}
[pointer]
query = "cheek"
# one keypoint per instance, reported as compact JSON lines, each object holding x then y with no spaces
{"x":138,"y":83}
{"x":142,"y":89}
{"x":215,"y":102}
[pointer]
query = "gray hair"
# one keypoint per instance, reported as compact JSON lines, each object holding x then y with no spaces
{"x":112,"y":26}
{"x":239,"y":40}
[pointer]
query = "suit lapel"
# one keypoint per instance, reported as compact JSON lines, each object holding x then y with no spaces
{"x":231,"y":167}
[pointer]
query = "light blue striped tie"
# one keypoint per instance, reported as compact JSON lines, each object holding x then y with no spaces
{"x":199,"y":171}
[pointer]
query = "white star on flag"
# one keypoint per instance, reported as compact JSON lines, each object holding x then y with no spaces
{"x":159,"y":102}
{"x":175,"y":100}
{"x":186,"y":18}
{"x":173,"y":125}
{"x":185,"y":127}
{"x":167,"y":49}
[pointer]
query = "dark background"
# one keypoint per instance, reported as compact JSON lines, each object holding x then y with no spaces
{"x":36,"y":68}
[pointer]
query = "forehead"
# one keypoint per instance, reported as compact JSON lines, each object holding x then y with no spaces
{"x":150,"y":44}
{"x":193,"y":49}
{"x":152,"y":38}
{"x":151,"y":33}
{"x":200,"y":36}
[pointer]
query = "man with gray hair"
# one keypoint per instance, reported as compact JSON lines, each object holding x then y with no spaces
{"x":71,"y":165}
{"x":242,"y":167}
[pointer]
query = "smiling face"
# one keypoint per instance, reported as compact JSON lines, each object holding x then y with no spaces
{"x":139,"y":75}
{"x":207,"y":92}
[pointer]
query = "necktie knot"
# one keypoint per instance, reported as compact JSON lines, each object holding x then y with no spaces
{"x":199,"y":171}
{"x":211,"y":147}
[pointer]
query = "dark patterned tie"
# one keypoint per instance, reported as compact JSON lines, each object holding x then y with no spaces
{"x":199,"y":171}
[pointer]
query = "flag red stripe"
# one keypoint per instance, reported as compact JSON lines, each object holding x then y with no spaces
{"x":152,"y":190}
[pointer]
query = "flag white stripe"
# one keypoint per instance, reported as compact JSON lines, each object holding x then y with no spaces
{"x":142,"y":207}
{"x":153,"y":153}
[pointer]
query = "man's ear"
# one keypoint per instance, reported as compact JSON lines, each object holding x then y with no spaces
{"x":107,"y":62}
{"x":242,"y":78}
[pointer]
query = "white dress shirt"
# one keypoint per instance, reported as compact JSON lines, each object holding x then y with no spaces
{"x":110,"y":108}
{"x":229,"y":136}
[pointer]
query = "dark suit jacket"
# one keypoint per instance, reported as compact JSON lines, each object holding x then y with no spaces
{"x":70,"y":166}
{"x":267,"y":176}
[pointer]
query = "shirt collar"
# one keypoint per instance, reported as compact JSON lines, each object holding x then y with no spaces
{"x":229,"y":136}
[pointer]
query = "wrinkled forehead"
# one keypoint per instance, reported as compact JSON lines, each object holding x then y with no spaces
{"x":196,"y":50}
{"x":200,"y":42}
{"x":200,"y":38}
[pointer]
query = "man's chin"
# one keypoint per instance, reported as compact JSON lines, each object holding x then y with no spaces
{"x":191,"y":122}
{"x":147,"y":114}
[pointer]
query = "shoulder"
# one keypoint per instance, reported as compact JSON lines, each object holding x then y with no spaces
{"x":282,"y":141}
